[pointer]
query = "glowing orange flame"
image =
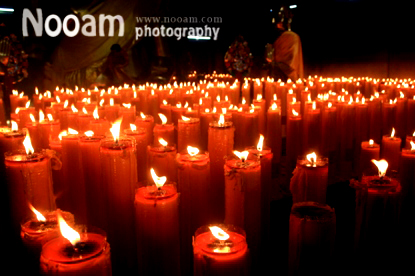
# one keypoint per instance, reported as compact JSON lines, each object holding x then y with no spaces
{"x":163,"y":142}
{"x":115,"y":129}
{"x":163,"y":118}
{"x":95,"y":113}
{"x":221,"y":120}
{"x":312,"y":157}
{"x":63,"y":133}
{"x":260,"y":144}
{"x":243,"y":100}
{"x":89,"y":133}
{"x":39,"y":215}
{"x":32,"y":118}
{"x":218,"y":233}
{"x":179,"y":105}
{"x":295,"y":113}
{"x":101,"y":102}
{"x":126,"y":105}
{"x":259,"y":97}
{"x":72,"y":131}
{"x":393,"y":133}
{"x":412,"y":146}
{"x":185,"y":118}
{"x":133,"y":127}
{"x":84,"y":110}
{"x":67,"y":232}
{"x":17,"y":110}
{"x":224,"y":110}
{"x":15,"y":127}
{"x":186,"y":105}
{"x":294,"y":100}
{"x":28,"y":145}
{"x":192,"y":151}
{"x":27,"y":104}
{"x":159,"y":181}
{"x":382,"y":166}
{"x":241,"y":155}
{"x":274,"y":106}
{"x":111,"y":102}
{"x":65,"y":104}
{"x":371,"y":142}
{"x":218,"y":98}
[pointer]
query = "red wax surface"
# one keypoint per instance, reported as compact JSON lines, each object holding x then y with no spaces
{"x":48,"y":131}
{"x":157,"y":224}
{"x":146,"y":123}
{"x":55,"y":261}
{"x":99,"y":126}
{"x":391,"y":151}
{"x":273,"y":137}
{"x":234,"y":262}
{"x":294,"y":139}
{"x":163,"y":161}
{"x":188,"y":134}
{"x":165,"y":131}
{"x":141,"y":148}
{"x":367,"y":153}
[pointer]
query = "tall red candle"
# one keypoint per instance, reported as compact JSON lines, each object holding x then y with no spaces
{"x":391,"y":150}
{"x":188,"y":133}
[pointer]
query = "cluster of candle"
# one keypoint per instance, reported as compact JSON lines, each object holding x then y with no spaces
{"x":104,"y":142}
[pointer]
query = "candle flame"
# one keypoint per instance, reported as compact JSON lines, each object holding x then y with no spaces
{"x":393,"y":133}
{"x":382,"y":166}
{"x":226,"y":98}
{"x":101,"y":102}
{"x":63,"y":133}
{"x":21,"y":95}
{"x":89,"y":133}
{"x":192,"y":151}
{"x":159,"y":181}
{"x":133,"y":127}
{"x":27,"y":104}
{"x":50,"y":117}
{"x":294,"y":100}
{"x":260,"y":144}
{"x":28,"y":145}
{"x":111,"y":102}
{"x":15,"y":127}
{"x":314,"y":105}
{"x":84,"y":110}
{"x":185,"y":118}
{"x":186,"y":105}
{"x":65,"y":104}
{"x":95,"y":113}
{"x":329,"y":105}
{"x":221,"y":120}
{"x":243,"y":100}
{"x":58,"y":100}
{"x":295,"y":113}
{"x":218,"y":233}
{"x":127,"y":105}
{"x":412,"y":145}
{"x":259,"y":97}
{"x":275,"y":97}
{"x":165,"y":102}
{"x":72,"y":131}
{"x":218,"y":98}
{"x":67,"y":232}
{"x":38,"y":214}
{"x":163,"y":118}
{"x":115,"y":129}
{"x":17,"y":110}
{"x":241,"y":155}
{"x":224,"y":110}
{"x":371,"y":142}
{"x":274,"y":106}
{"x":179,"y":105}
{"x":32,"y":118}
{"x":312,"y":157}
{"x":163,"y":142}
{"x":142,"y":115}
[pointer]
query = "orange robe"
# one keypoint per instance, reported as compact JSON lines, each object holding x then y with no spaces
{"x":288,"y":55}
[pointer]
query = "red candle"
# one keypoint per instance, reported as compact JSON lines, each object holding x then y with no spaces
{"x":119,"y":175}
{"x":157,"y":224}
{"x":128,"y":114}
{"x":94,"y":191}
{"x":99,"y":126}
{"x":165,"y":109}
{"x":188,"y":133}
{"x":294,"y":139}
{"x":312,"y":231}
{"x":243,"y":198}
{"x":29,"y":179}
{"x":274,"y":131}
{"x":388,"y":116}
{"x":84,"y":120}
{"x":225,"y":248}
{"x":329,"y":136}
{"x":312,"y":129}
{"x":411,"y":115}
{"x":38,"y":230}
{"x":220,"y":144}
{"x":374,"y":114}
{"x":195,"y":200}
{"x":378,"y":198}
{"x":369,"y":150}
{"x":164,"y":130}
{"x":260,"y":105}
{"x":76,"y":254}
{"x":146,"y":122}
{"x":140,"y":137}
{"x":162,"y":157}
{"x":48,"y":131}
{"x":391,"y":150}
{"x":73,"y":183}
{"x":111,"y":111}
{"x":309,"y":181}
{"x":407,"y":180}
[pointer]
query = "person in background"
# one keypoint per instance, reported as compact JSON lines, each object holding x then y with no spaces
{"x":113,"y":68}
{"x":285,"y":54}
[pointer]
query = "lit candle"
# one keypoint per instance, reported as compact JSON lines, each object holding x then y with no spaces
{"x":29,"y":179}
{"x":140,"y":137}
{"x":119,"y":177}
{"x":329,"y":140}
{"x":226,"y":249}
{"x":407,"y":180}
{"x":146,"y":122}
{"x":157,"y":224}
{"x":127,"y":112}
{"x":100,"y":127}
{"x":220,"y":144}
{"x":312,"y":129}
{"x":274,"y":131}
{"x":388,"y":116}
{"x":76,"y":254}
{"x":162,"y":157}
{"x":369,"y":150}
{"x":294,"y":138}
{"x":196,"y":198}
{"x":391,"y":150}
{"x":374,"y":115}
{"x":312,"y":232}
{"x":377,"y":212}
{"x":111,"y":111}
{"x":309,"y":181}
{"x":188,"y":133}
{"x":243,"y":198}
{"x":49,"y":129}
